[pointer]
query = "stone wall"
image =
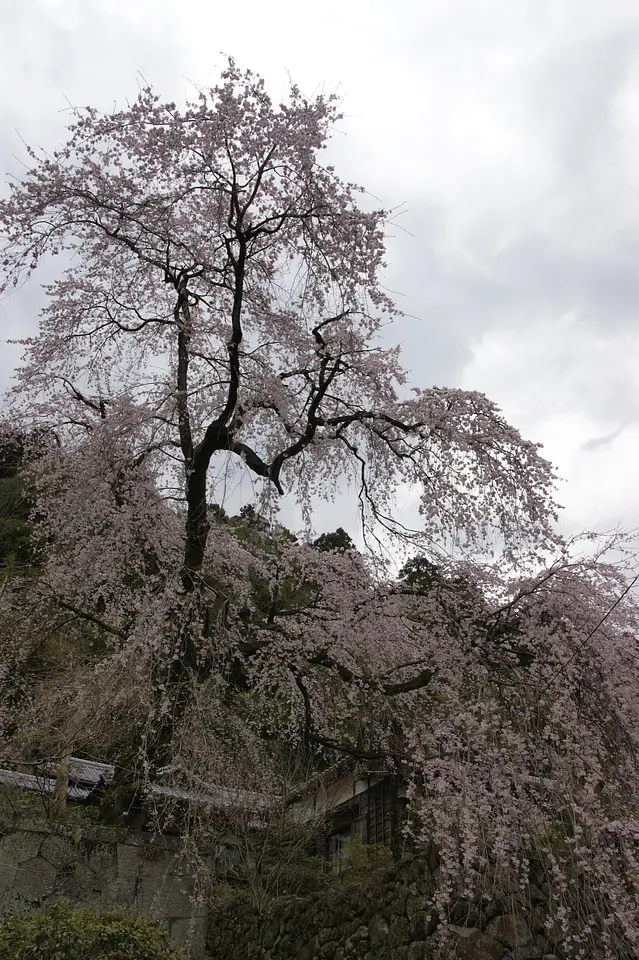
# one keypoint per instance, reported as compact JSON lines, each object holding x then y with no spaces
{"x":387,"y":917}
{"x":101,"y":868}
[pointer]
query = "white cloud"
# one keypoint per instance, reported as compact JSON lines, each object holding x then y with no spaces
{"x":554,"y":382}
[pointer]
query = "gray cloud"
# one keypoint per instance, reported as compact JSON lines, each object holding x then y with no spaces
{"x":596,"y":443}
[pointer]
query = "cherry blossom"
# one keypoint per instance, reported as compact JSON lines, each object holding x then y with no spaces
{"x":220,"y":297}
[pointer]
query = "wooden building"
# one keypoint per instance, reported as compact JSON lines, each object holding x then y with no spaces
{"x":351,"y":801}
{"x":369,"y":805}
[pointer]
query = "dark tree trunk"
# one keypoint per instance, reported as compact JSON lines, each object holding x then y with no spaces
{"x":197,"y":525}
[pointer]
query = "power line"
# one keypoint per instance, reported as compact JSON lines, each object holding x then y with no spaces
{"x":591,"y":634}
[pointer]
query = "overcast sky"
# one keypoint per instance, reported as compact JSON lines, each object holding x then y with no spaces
{"x":508,"y":128}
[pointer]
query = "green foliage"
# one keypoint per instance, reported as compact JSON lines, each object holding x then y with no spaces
{"x":62,"y":933}
{"x":279,"y":864}
{"x":283,"y":875}
{"x":361,"y":859}
{"x":419,"y":573}
{"x":251,"y":527}
{"x":15,"y":507}
{"x":338,"y":541}
{"x":17,"y":805}
{"x":225,"y":895}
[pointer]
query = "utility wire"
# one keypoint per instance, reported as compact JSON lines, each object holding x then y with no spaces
{"x":590,"y":635}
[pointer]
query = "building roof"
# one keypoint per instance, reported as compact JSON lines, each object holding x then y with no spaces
{"x":40,"y":784}
{"x":223,"y":798}
{"x":84,"y":777}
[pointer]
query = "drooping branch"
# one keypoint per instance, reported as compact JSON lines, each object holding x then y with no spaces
{"x":99,"y":405}
{"x":417,"y":682}
{"x":86,"y":615}
{"x":331,"y":744}
{"x":352,"y":751}
{"x":322,"y":659}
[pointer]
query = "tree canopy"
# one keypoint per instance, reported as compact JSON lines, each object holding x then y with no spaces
{"x":219,"y":305}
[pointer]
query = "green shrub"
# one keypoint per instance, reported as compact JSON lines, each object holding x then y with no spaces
{"x":361,"y":859}
{"x":62,"y":933}
{"x":17,"y":805}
